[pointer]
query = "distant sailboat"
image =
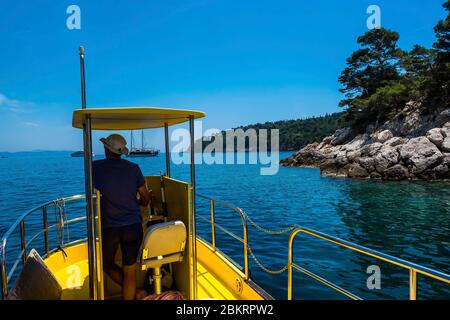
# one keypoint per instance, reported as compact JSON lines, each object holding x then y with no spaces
{"x":141,"y":152}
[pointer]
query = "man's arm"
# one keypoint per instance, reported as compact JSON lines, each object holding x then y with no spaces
{"x":145,"y":196}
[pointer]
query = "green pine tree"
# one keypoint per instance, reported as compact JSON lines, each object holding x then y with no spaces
{"x":370,"y":68}
{"x":440,"y":81}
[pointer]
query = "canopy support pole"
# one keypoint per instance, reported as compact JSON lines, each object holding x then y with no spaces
{"x":166,"y":135}
{"x":131,"y":140}
{"x":89,"y":188}
{"x":194,"y":230}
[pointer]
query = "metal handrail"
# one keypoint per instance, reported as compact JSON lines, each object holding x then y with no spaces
{"x":22,"y":252}
{"x":244,"y":241}
{"x":413,"y":268}
{"x":231,"y":234}
{"x":5,"y":276}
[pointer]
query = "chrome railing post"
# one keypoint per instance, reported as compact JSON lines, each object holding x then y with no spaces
{"x":4,"y":276}
{"x":23,"y":244}
{"x":45,"y":224}
{"x":412,"y":284}
{"x":213,"y":225}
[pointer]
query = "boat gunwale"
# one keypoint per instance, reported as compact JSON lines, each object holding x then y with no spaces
{"x":5,"y":277}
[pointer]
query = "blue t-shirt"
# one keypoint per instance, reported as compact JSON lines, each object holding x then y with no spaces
{"x":118,"y":181}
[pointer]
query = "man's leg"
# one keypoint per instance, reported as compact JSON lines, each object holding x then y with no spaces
{"x":110,"y":244}
{"x":115,"y":273}
{"x":130,"y":244}
{"x":125,"y":279}
{"x":129,"y":282}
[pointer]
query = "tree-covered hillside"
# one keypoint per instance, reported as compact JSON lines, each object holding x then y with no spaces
{"x":295,"y":134}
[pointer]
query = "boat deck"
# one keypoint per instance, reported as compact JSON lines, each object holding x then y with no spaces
{"x":208,"y":287}
{"x":216,"y":279}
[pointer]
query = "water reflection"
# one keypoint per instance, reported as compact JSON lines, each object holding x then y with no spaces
{"x":400,"y":219}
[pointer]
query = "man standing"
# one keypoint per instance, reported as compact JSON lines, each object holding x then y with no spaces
{"x":119,"y":181}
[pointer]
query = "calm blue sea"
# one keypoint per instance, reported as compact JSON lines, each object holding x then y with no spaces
{"x":410,"y":220}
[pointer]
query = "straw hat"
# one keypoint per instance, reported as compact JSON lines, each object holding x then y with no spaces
{"x":115,"y":143}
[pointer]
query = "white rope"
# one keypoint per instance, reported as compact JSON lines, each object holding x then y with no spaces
{"x":60,"y":212}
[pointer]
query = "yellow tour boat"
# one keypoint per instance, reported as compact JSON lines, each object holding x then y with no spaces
{"x":200,"y":270}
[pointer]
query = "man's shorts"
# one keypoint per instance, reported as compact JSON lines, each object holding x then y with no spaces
{"x":128,"y":237}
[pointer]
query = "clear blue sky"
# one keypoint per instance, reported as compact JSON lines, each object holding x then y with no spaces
{"x":240,"y":61}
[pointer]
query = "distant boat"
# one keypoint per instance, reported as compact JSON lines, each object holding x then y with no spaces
{"x":79,"y":154}
{"x":141,"y":152}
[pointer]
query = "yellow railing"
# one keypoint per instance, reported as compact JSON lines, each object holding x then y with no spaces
{"x":413,"y":268}
{"x":244,"y":240}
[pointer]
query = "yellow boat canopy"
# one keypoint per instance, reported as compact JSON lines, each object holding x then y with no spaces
{"x":132,"y":118}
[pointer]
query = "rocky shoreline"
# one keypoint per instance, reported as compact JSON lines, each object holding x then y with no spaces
{"x":411,"y":146}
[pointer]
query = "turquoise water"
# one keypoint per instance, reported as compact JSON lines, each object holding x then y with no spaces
{"x":409,"y":220}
